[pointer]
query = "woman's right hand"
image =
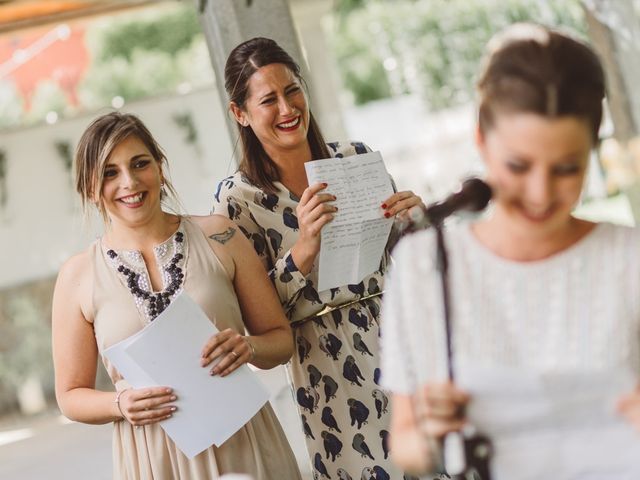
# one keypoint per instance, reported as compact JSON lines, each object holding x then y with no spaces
{"x":313,"y":212}
{"x":440,"y":409}
{"x":144,"y":406}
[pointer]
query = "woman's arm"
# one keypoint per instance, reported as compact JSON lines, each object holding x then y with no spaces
{"x":270,"y":342}
{"x":75,"y":356}
{"x":75,"y":352}
{"x":283,"y":272}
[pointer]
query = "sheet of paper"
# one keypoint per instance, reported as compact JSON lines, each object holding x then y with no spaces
{"x":561,"y":426}
{"x":353,"y":243}
{"x":167,"y":352}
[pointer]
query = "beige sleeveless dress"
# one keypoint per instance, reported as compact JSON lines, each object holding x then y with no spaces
{"x":259,"y":449}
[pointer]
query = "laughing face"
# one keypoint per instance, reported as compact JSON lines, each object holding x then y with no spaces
{"x":276,"y":109}
{"x":537,"y":166}
{"x":131,"y":188}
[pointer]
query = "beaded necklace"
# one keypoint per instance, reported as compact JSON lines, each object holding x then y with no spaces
{"x":131,"y":267}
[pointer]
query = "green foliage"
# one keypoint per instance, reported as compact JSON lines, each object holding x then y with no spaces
{"x":47,"y":97}
{"x":431,"y":47}
{"x":25,"y":347}
{"x":11,"y":105}
{"x":168,"y":32}
{"x":148,"y":55}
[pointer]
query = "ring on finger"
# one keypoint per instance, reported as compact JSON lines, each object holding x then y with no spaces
{"x":235,"y":355}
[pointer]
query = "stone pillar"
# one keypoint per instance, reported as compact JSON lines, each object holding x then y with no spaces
{"x":226,"y":23}
{"x":324,"y":81}
{"x":614,"y":29}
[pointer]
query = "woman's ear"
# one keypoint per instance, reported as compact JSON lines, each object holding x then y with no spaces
{"x":480,"y":141}
{"x":479,"y":138}
{"x":239,"y":114}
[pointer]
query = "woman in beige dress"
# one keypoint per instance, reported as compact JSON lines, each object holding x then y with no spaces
{"x":146,"y":258}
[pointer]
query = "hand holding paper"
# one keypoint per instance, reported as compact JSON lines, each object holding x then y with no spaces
{"x":168,"y":352}
{"x":144,"y":406}
{"x":353,"y":243}
{"x":313,"y":212}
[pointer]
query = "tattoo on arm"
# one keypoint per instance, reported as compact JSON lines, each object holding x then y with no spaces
{"x":223,"y":237}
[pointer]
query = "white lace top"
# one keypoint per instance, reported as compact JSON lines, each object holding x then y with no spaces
{"x":577,"y":310}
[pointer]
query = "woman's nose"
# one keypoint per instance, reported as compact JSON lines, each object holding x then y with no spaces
{"x":540,"y":189}
{"x":129,"y":179}
{"x":284,"y":106}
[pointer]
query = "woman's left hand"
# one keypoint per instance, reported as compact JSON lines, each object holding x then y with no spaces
{"x":231,"y":348}
{"x":399,"y":204}
{"x":629,"y":406}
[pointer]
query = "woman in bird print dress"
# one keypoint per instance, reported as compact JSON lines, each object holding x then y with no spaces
{"x":335,"y":370}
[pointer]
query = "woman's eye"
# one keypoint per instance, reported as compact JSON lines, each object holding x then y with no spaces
{"x":141,"y":163}
{"x":293,"y":90}
{"x":267,"y":101}
{"x":517,"y":167}
{"x":569,"y":169}
{"x":110,"y":173}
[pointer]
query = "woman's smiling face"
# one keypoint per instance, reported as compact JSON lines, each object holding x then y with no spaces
{"x":276,"y":109}
{"x":132,"y":182}
{"x":537,"y":167}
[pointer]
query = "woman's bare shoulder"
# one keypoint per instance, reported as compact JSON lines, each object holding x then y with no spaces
{"x":213,"y":224}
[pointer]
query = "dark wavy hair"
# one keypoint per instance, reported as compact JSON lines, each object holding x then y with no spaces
{"x":243,"y":62}
{"x":530,"y":68}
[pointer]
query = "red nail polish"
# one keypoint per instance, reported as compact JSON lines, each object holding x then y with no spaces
{"x":384,"y":205}
{"x":387,"y":214}
{"x":324,"y":184}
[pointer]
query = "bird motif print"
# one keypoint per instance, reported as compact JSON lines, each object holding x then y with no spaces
{"x":384,"y":436}
{"x":360,"y":446}
{"x":358,"y":288}
{"x":380,"y":473}
{"x":319,"y":321}
{"x":332,"y":366}
{"x":330,"y":388}
{"x":343,"y":474}
{"x":359,"y":319}
{"x":314,"y":375}
{"x":351,"y":372}
{"x":367,"y":474}
{"x":267,"y":200}
{"x":332,"y":445}
{"x":319,"y":466}
{"x":306,"y":428}
{"x":289,"y":218}
{"x":310,"y":293}
{"x":373,"y":287}
{"x":336,"y":315}
{"x":329,"y":420}
{"x":304,"y":348}
{"x":360,"y":346}
{"x":381,"y":401}
{"x":234,"y":209}
{"x":358,"y":412}
{"x":275,"y":238}
{"x":330,"y":344}
{"x":305,"y":399}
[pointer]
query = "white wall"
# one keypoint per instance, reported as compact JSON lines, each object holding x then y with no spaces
{"x":42,"y":225}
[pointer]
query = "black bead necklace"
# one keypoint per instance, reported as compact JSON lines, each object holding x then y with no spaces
{"x":157,"y":302}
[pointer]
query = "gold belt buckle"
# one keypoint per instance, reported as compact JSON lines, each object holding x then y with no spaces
{"x":329,"y":309}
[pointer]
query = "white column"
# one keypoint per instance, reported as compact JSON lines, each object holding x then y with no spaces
{"x":226,"y":23}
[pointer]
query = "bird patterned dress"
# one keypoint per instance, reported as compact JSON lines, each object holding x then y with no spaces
{"x":335,"y":371}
